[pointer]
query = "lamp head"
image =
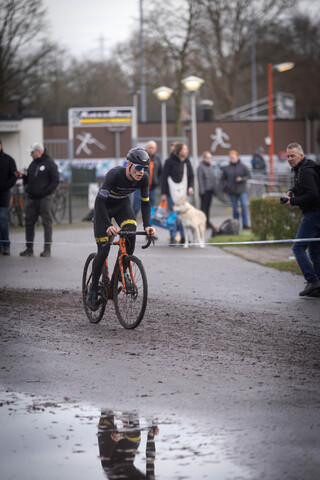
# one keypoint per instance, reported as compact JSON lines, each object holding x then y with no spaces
{"x":163,"y":93}
{"x":283,"y":67}
{"x":192,"y":83}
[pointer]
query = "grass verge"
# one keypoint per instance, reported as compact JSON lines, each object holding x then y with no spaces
{"x":289,"y":266}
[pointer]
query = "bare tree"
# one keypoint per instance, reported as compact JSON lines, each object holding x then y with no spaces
{"x":169,"y":39}
{"x":23,"y":48}
{"x":225,"y":41}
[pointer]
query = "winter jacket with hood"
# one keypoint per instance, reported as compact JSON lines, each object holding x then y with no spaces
{"x":42,"y":177}
{"x":174,"y":168}
{"x":7,"y":177}
{"x":229,"y":175}
{"x":206,"y":178}
{"x":306,"y":188}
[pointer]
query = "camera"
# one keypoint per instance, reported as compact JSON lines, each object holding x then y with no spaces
{"x":284,"y":200}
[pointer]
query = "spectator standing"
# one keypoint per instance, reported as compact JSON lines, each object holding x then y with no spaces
{"x":234,"y":182}
{"x":8,"y":178}
{"x":207,"y":185}
{"x":177,"y":182}
{"x":306,"y":195}
{"x":40,"y":181}
{"x":258,"y":162}
{"x":155,"y":170}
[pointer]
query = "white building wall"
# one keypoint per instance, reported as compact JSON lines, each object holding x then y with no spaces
{"x":18,"y":135}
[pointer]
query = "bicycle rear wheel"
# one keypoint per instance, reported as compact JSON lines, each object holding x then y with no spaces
{"x":13,"y":217}
{"x":130,"y":306}
{"x":59,"y":205}
{"x":94,"y":316}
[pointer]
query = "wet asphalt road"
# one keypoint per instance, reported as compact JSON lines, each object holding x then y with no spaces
{"x":228,"y":344}
{"x":194,"y":274}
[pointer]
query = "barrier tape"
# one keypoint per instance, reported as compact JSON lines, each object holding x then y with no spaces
{"x":213,"y":244}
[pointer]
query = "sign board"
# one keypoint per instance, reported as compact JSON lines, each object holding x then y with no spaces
{"x":10,"y":126}
{"x":102,"y":117}
{"x":87,"y":143}
{"x":285,"y":105}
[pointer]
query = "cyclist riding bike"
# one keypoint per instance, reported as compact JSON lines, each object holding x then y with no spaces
{"x":113,"y":201}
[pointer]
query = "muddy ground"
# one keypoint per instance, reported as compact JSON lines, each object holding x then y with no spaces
{"x":251,"y":381}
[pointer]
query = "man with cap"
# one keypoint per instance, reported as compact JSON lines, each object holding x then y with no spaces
{"x":7,"y":180}
{"x":40,"y":181}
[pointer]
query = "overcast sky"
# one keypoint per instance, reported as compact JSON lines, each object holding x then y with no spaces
{"x":93,"y":27}
{"x":90,"y":27}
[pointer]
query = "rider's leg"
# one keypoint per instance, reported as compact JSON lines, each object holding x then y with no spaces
{"x":126,"y":220}
{"x":97,"y":264}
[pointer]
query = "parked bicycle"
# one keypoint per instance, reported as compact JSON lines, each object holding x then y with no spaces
{"x":59,"y":203}
{"x":127,"y":287}
{"x":16,"y":213}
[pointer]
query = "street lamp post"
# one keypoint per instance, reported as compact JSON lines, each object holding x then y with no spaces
{"x":281,"y":67}
{"x":163,"y":94}
{"x":192,"y":84}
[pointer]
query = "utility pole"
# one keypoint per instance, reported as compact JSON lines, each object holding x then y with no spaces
{"x":143,"y":104}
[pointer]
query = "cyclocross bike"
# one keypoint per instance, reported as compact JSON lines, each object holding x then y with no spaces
{"x":127,"y":287}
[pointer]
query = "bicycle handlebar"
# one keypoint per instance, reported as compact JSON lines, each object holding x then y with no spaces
{"x":126,"y":233}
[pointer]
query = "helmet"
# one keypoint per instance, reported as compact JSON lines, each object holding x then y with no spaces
{"x":138,"y":156}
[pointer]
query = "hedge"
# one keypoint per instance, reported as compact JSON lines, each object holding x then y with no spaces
{"x":271,"y":220}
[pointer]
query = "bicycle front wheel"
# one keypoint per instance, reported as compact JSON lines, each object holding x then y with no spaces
{"x":94,"y":316}
{"x":130,"y":305}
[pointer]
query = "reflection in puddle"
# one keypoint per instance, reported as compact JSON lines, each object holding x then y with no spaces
{"x":119,"y":440}
{"x":41,"y":439}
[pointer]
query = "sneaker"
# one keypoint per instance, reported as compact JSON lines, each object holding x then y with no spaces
{"x":172,"y":242}
{"x":6,"y":251}
{"x":45,"y":253}
{"x":92,"y":299}
{"x":310,"y":288}
{"x":27,"y":253}
{"x":182,"y":241}
{"x":314,"y":293}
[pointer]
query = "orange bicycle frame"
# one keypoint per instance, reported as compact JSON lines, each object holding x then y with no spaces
{"x":122,"y":253}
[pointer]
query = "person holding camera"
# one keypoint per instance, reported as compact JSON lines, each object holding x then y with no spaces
{"x":306,"y":195}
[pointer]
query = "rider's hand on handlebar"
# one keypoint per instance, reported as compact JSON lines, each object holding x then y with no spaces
{"x":150,"y":231}
{"x":112,"y":230}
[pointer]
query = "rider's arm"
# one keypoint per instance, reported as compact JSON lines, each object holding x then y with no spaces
{"x":145,"y":201}
{"x":101,"y":213}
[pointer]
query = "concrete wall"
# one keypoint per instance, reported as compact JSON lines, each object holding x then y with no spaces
{"x":18,"y":135}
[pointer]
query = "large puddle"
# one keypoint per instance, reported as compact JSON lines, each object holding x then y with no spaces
{"x":41,"y":439}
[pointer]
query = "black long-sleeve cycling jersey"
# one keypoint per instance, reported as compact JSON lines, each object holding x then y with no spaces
{"x":115,"y":188}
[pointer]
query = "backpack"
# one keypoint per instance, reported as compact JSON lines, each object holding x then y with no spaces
{"x":229,"y":227}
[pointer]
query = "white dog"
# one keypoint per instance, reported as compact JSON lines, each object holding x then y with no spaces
{"x":193,"y":221}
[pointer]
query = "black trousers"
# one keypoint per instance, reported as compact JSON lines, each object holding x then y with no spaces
{"x":122,"y":212}
{"x":35,"y":208}
{"x":206,"y":199}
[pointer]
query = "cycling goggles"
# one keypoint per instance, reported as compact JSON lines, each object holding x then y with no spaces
{"x":139,"y":168}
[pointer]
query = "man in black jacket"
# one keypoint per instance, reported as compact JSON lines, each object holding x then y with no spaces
{"x":234,"y":182}
{"x":306,"y":195}
{"x":7,"y":180}
{"x":41,"y":180}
